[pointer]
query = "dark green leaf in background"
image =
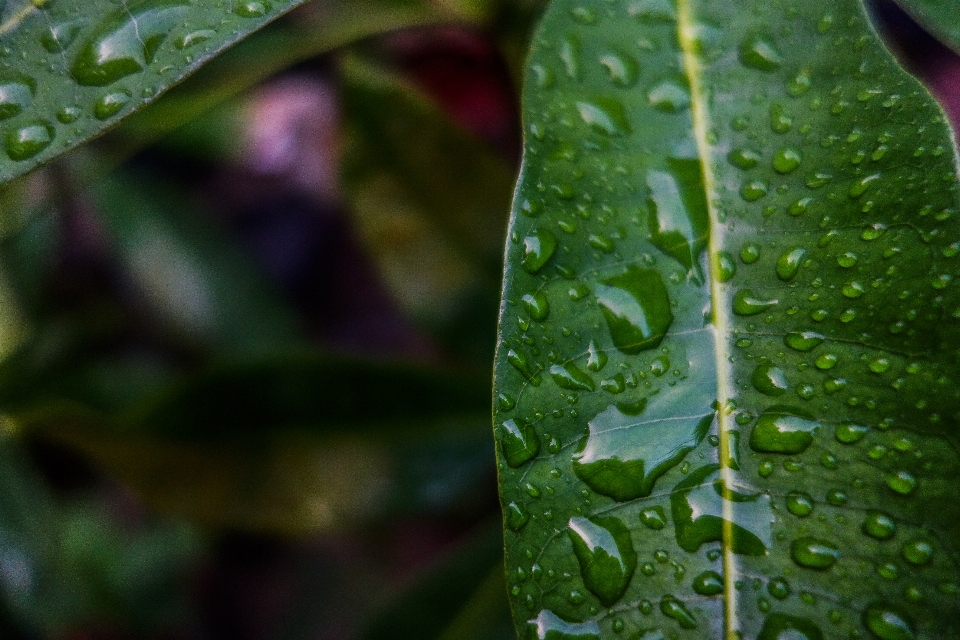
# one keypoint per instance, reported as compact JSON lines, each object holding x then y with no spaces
{"x":940,"y":17}
{"x":727,"y":382}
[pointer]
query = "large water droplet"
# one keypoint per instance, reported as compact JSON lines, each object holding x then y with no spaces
{"x":788,"y":264}
{"x":671,"y":607}
{"x":814,"y":553}
{"x":679,"y":218}
{"x":606,"y":555}
{"x":783,"y":430}
{"x":637,"y":309}
{"x":550,"y":626}
{"x":605,"y":115}
{"x":569,"y":376}
{"x":708,"y":583}
{"x":29,"y":140}
{"x":697,"y":505}
{"x":780,"y":626}
{"x":769,"y":380}
{"x":918,"y":552}
{"x":538,"y":248}
{"x":15,"y":96}
{"x":758,"y":52}
{"x":126,"y":42}
{"x":519,"y":442}
{"x":622,"y":455}
{"x":887,"y":624}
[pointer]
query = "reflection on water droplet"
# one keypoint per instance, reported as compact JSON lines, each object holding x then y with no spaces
{"x":803,"y":340}
{"x":519,"y":442}
{"x":194,"y":38}
{"x":15,"y":96}
{"x":605,"y":115}
{"x":902,"y":482}
{"x":779,"y":588}
{"x":126,"y":42}
{"x":745,"y":303}
{"x":673,"y":608}
{"x":800,"y":503}
{"x":726,"y":267}
{"x":606,"y":555}
{"x":917,"y":552}
{"x":569,"y":376}
{"x":786,"y":160}
{"x":111,"y":104}
{"x":538,"y":248}
{"x":622,"y":455}
{"x":697,"y":506}
{"x":623,"y":69}
{"x":637,"y":309}
{"x":783,"y":430}
{"x":549,"y":626}
{"x":849,"y":433}
{"x":597,"y":359}
{"x":780,"y":626}
{"x":814,"y":553}
{"x":516,"y":516}
{"x":653,"y":518}
{"x":669,"y":96}
{"x":788,"y":265}
{"x":252,"y":9}
{"x":886,"y":623}
{"x":744,"y":158}
{"x":29,"y":140}
{"x":678,"y":215}
{"x":536,"y":305}
{"x":758,"y":52}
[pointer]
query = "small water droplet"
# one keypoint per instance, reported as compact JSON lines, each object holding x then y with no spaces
{"x":886,"y":623}
{"x":799,"y":84}
{"x":516,"y":516}
{"x":743,"y":158}
{"x":758,"y":52}
{"x":803,"y":340}
{"x":789,"y":263}
{"x":538,"y":248}
{"x":194,"y":38}
{"x":779,"y":588}
{"x":849,"y":433}
{"x":519,"y":442}
{"x":800,"y":503}
{"x":787,"y":160}
{"x":605,"y":115}
{"x":29,"y":140}
{"x":814,"y":553}
{"x":783,"y":430}
{"x":746,"y":303}
{"x":726,"y":267}
{"x":753,"y":190}
{"x":669,"y":96}
{"x":536,"y":305}
{"x":623,"y":69}
{"x":750,"y":253}
{"x":653,"y":517}
{"x":671,"y":607}
{"x":16,"y":95}
{"x":769,"y":380}
{"x":568,"y":376}
{"x":917,"y":552}
{"x":708,"y":583}
{"x":780,"y":121}
{"x":902,"y":482}
{"x":111,"y":104}
{"x":252,"y":9}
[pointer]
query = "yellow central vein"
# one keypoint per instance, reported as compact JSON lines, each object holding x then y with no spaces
{"x":686,"y":34}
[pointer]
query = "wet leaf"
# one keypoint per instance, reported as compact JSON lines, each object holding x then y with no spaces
{"x":738,"y":417}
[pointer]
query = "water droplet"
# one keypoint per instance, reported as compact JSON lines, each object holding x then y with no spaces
{"x":746,"y":303}
{"x":758,"y":52}
{"x":826,"y":361}
{"x":194,"y":38}
{"x":111,"y":104}
{"x":620,"y":457}
{"x":853,"y":290}
{"x":678,"y":216}
{"x":814,"y":553}
{"x":653,"y":518}
{"x":538,"y":248}
{"x":597,"y":359}
{"x":780,"y":626}
{"x":753,"y":191}
{"x":783,"y":430}
{"x":623,"y":69}
{"x":516,"y":516}
{"x":252,"y":9}
{"x":60,"y":36}
{"x":779,"y":588}
{"x":708,"y":583}
{"x":637,"y":309}
{"x":800,"y":503}
{"x":519,"y":442}
{"x":799,"y":207}
{"x":849,"y":433}
{"x":67,"y":115}
{"x":860,"y":186}
{"x":788,"y":264}
{"x":29,"y":140}
{"x":803,"y":340}
{"x":605,"y":115}
{"x":700,"y":505}
{"x":584,"y":15}
{"x":549,"y":626}
{"x":568,"y":376}
{"x":918,"y":552}
{"x":126,"y":43}
{"x":653,"y":10}
{"x":569,"y":50}
{"x":673,"y":608}
{"x":606,"y":555}
{"x":780,"y":121}
{"x":787,"y":160}
{"x":902,"y":482}
{"x":886,"y":623}
{"x":726,"y":267}
{"x":750,"y":253}
{"x":15,"y":96}
{"x":799,"y":84}
{"x":536,"y":305}
{"x":669,"y":97}
{"x":769,"y":380}
{"x":744,"y":158}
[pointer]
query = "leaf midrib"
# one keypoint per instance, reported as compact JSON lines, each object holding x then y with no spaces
{"x":718,"y":310}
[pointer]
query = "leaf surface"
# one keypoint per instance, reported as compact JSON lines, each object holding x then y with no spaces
{"x":71,"y":69}
{"x":727,"y":380}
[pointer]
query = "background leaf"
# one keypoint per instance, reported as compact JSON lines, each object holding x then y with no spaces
{"x":940,"y":17}
{"x":726,"y":377}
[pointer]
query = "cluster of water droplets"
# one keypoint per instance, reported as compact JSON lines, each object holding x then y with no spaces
{"x":836,"y":287}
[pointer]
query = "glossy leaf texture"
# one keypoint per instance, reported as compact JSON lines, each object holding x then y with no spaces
{"x":727,"y":381}
{"x":940,"y":17}
{"x":69,"y":70}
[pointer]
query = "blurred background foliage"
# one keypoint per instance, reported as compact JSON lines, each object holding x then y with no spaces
{"x":246,"y":339}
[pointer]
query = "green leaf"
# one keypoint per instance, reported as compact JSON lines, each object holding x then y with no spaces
{"x":72,"y":69}
{"x":727,"y":376}
{"x":940,"y":17}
